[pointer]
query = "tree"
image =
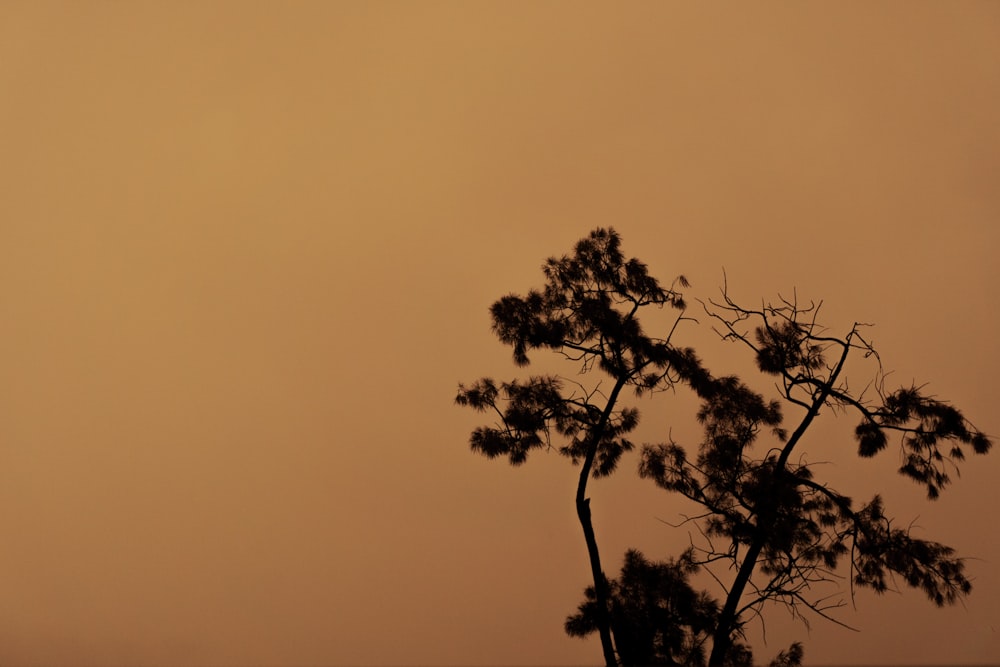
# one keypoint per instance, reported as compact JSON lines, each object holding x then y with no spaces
{"x":588,"y":312}
{"x":762,"y":513}
{"x":771,"y":533}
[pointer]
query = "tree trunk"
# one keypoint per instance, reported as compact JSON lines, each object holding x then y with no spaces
{"x":583,"y":511}
{"x":723,"y":637}
{"x":600,"y":583}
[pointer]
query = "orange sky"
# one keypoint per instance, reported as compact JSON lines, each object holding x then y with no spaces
{"x":246,"y":254}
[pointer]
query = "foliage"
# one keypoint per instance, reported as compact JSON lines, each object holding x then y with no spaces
{"x":790,"y":658}
{"x":657,"y":616}
{"x":772,"y":533}
{"x":588,"y":311}
{"x":764,"y":516}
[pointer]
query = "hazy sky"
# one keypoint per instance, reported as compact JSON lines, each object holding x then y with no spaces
{"x":246,"y":255}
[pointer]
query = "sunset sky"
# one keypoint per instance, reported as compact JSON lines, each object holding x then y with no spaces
{"x":247,"y":251}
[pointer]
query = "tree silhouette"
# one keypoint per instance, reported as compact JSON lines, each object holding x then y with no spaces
{"x":770,"y":532}
{"x":764,"y":516}
{"x":588,"y":311}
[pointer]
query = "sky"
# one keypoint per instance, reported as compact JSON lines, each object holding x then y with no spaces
{"x":247,"y":251}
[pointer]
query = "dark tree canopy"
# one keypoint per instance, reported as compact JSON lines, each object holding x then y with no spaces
{"x":764,"y":515}
{"x":771,"y":531}
{"x":588,"y":311}
{"x":658,"y":618}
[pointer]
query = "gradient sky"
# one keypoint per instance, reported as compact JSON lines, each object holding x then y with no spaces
{"x":246,"y":255}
